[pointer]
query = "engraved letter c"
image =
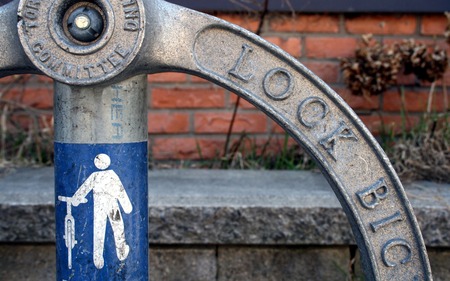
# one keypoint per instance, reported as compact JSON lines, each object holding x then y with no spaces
{"x":37,"y":47}
{"x":319,"y":117}
{"x":396,"y":243}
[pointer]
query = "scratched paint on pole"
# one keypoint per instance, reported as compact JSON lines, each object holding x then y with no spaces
{"x":101,"y":211}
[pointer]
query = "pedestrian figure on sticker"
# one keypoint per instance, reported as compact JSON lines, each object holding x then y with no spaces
{"x":108,"y":193}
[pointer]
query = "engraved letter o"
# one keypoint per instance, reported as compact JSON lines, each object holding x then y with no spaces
{"x":303,"y":106}
{"x":396,"y":243}
{"x":282,"y":74}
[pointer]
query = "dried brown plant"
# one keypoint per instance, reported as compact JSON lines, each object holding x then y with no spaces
{"x":424,"y":152}
{"x":373,"y":69}
{"x":427,"y":65}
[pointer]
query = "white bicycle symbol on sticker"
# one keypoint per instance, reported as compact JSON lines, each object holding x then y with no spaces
{"x":108,"y":193}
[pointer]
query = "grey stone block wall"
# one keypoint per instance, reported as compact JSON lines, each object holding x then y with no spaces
{"x":221,"y":226}
{"x":283,"y":263}
{"x":27,"y":262}
{"x":183,"y":263}
{"x":440,"y":263}
{"x":218,"y":263}
{"x":211,"y":263}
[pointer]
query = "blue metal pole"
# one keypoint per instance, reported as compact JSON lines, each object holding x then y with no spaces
{"x":101,"y":181}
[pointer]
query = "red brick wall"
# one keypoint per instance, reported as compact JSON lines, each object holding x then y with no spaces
{"x":186,"y":112}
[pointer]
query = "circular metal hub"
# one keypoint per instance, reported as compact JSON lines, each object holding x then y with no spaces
{"x":80,"y":42}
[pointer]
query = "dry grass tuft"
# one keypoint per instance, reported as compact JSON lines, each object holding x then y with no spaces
{"x":423,"y":155}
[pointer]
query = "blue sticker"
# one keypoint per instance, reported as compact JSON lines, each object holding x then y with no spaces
{"x":101,"y":206}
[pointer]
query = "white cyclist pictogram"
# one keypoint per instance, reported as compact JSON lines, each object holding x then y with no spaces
{"x":108,"y":193}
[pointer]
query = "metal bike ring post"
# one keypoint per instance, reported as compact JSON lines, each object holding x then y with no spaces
{"x":96,"y":107}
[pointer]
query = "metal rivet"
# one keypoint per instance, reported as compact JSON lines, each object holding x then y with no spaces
{"x":82,"y":21}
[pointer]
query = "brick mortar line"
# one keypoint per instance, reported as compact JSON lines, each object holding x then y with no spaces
{"x":419,"y":25}
{"x":222,"y":109}
{"x":342,"y":29}
{"x":211,"y":136}
{"x":181,"y":85}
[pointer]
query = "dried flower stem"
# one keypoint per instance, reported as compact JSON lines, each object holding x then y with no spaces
{"x":444,"y":87}
{"x":430,"y":97}
{"x":3,"y":132}
{"x":403,"y":107}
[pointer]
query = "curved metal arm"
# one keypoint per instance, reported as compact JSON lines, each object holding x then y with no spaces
{"x":12,"y":57}
{"x":358,"y":170}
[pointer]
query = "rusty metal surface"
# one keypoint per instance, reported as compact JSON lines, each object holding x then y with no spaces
{"x":166,"y":37}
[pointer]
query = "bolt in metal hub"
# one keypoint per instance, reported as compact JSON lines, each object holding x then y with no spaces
{"x":82,"y":22}
{"x":85,"y":24}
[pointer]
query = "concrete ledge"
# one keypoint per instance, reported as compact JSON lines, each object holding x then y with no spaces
{"x":201,"y":207}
